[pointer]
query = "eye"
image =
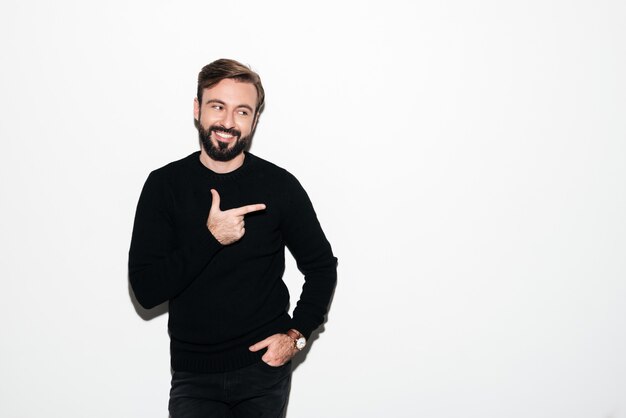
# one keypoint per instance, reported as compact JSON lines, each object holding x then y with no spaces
{"x":243,"y":113}
{"x":217,"y":107}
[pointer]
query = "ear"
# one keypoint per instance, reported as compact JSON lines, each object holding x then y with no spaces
{"x":196,"y":109}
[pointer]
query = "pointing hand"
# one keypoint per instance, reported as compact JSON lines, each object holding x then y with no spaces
{"x":228,"y":226}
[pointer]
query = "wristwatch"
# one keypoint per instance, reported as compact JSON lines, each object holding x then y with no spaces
{"x":298,"y":339}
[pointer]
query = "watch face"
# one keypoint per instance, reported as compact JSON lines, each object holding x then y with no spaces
{"x":300,"y":343}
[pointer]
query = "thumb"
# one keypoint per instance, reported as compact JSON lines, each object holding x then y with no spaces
{"x":215,"y":204}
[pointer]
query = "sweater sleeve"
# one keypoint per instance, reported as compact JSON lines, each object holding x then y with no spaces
{"x":159,"y":269}
{"x":313,"y":254}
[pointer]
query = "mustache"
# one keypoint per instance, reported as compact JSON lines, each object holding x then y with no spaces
{"x":229,"y":131}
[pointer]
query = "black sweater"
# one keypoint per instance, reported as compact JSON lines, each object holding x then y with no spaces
{"x":222,"y":299}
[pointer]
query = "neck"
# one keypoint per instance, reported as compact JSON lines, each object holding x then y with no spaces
{"x":221,"y":167}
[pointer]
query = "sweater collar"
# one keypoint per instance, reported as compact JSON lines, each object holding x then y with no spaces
{"x":199,"y":167}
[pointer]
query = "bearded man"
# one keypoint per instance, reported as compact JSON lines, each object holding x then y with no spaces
{"x":209,"y":236}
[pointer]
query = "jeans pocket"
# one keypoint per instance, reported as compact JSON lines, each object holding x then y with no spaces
{"x":286,"y":366}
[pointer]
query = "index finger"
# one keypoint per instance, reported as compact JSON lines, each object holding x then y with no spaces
{"x":258,"y":346}
{"x":249,"y":208}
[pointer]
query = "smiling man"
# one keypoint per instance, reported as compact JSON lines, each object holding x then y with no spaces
{"x":209,"y":237}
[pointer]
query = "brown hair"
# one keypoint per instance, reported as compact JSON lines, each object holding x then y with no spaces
{"x":221,"y":69}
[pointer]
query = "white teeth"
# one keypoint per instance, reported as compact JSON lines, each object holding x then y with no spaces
{"x":224,"y":135}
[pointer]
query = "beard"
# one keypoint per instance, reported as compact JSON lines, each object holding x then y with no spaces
{"x":221,"y":152}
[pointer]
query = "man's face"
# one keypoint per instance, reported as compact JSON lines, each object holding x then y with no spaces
{"x":226,"y":118}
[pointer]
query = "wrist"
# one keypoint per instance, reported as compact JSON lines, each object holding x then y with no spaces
{"x":299,"y":342}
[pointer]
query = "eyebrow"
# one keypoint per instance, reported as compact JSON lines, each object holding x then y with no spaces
{"x":245,"y":106}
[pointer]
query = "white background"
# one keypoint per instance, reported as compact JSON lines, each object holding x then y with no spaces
{"x":466,"y":159}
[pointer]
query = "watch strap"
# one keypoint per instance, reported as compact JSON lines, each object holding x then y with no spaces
{"x":299,"y":342}
{"x":294,"y":334}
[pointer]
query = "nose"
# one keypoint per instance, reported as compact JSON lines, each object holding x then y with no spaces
{"x":228,"y":120}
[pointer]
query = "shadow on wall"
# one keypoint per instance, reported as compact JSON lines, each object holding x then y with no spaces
{"x":147,"y":314}
{"x":299,"y":359}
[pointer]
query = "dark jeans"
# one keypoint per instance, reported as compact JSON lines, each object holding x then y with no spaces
{"x":259,"y":390}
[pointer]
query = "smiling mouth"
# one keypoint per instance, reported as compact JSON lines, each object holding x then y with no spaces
{"x":226,"y":136}
{"x":223,"y":135}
